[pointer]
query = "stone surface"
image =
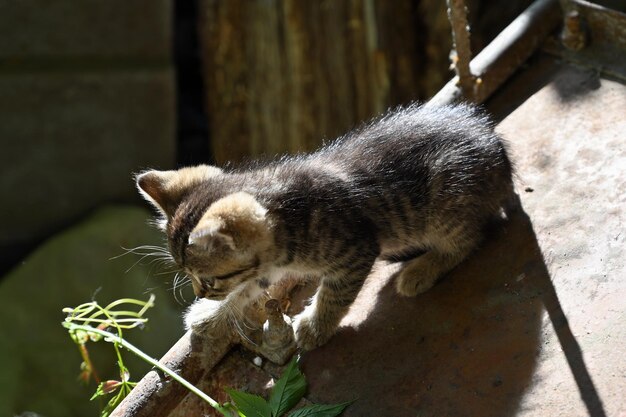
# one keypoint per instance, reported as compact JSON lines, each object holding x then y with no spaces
{"x":570,"y":147}
{"x":39,"y":362}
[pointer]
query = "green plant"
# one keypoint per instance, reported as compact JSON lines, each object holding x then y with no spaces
{"x":285,"y":394}
{"x":110,"y":322}
{"x":80,"y":321}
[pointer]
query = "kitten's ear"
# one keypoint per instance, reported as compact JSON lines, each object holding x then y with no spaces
{"x":208,"y":235}
{"x":237,"y":222}
{"x":165,"y":189}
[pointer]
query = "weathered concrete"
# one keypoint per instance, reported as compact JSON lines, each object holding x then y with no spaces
{"x":570,"y":145}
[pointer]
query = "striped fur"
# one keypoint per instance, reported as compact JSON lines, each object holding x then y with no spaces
{"x":417,"y":181}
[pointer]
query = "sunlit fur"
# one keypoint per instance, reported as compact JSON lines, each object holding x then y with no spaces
{"x":416,"y":186}
{"x":165,"y":189}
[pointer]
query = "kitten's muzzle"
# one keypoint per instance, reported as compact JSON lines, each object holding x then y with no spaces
{"x":202,"y":287}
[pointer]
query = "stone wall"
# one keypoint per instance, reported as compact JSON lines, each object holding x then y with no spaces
{"x":86,"y":98}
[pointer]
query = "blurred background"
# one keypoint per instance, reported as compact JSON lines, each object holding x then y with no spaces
{"x":94,"y":91}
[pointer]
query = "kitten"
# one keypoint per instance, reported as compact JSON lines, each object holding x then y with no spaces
{"x":419,"y":180}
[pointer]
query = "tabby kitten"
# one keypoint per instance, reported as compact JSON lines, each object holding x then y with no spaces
{"x":419,"y":180}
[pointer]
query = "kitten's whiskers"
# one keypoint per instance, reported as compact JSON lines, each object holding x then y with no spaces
{"x":180,"y":282}
{"x":235,"y":315}
{"x":162,"y":257}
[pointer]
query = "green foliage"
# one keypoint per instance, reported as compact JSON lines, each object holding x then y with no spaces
{"x":78,"y":322}
{"x":285,"y":394}
{"x":288,"y":390}
{"x":250,"y":405}
{"x":320,"y":410}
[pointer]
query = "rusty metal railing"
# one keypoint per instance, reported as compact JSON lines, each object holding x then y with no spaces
{"x":479,"y":77}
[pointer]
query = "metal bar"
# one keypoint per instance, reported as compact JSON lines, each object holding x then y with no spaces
{"x":461,"y":53}
{"x":503,"y":56}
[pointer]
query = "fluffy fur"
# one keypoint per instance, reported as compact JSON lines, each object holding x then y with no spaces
{"x":417,"y":181}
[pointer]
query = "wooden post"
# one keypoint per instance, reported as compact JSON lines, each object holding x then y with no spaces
{"x":282,"y":75}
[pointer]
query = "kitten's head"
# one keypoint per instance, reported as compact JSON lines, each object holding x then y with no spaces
{"x":220,"y":239}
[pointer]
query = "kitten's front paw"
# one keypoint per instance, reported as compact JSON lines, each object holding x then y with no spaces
{"x":416,"y":277}
{"x":308,"y":332}
{"x":411,"y":286}
{"x":204,"y":317}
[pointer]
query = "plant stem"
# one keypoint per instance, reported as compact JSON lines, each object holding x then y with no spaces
{"x":118,"y":340}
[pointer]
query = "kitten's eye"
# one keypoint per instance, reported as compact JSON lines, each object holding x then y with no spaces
{"x":232,"y":274}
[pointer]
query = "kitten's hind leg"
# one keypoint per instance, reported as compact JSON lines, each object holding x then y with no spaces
{"x":420,"y":274}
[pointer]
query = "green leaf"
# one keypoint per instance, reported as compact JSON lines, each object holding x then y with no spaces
{"x":320,"y":410}
{"x":250,"y":405}
{"x":288,"y":390}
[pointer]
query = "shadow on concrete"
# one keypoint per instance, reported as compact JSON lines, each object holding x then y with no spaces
{"x":574,"y":83}
{"x":467,"y":347}
{"x":572,"y":351}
